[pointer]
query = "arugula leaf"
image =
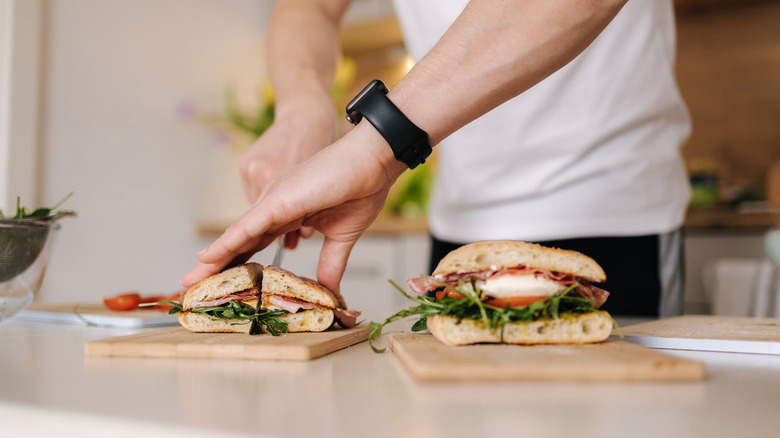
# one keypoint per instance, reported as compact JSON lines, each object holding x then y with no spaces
{"x":40,"y":213}
{"x":265,"y":318}
{"x":420,"y":325}
{"x":472,"y":307}
{"x":269,"y":319}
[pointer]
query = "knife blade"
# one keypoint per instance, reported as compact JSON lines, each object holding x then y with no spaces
{"x":277,"y":261}
{"x":256,"y":328}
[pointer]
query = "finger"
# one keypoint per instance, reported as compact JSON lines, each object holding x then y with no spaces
{"x":198,"y":273}
{"x":333,"y":262}
{"x":240,"y":238}
{"x":306,"y":232}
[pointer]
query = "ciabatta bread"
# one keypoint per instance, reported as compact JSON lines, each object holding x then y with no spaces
{"x":198,"y":323}
{"x":314,"y":320}
{"x":279,"y":281}
{"x":229,"y":281}
{"x":568,"y":329}
{"x":490,"y":255}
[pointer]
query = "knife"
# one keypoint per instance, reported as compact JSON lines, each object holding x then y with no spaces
{"x":277,"y":261}
{"x":256,"y":328}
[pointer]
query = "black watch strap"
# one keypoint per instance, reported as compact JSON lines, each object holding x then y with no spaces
{"x":409,"y":143}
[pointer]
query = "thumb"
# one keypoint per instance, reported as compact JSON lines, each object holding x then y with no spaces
{"x":333,"y":261}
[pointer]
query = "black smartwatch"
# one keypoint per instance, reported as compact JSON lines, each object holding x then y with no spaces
{"x":409,"y":143}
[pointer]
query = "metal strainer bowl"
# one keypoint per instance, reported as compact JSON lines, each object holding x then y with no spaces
{"x":24,"y":253}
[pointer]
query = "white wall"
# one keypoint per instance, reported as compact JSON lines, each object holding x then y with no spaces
{"x":20,"y":42}
{"x":116,"y":73}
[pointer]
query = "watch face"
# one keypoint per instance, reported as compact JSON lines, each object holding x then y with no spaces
{"x":354,"y":116}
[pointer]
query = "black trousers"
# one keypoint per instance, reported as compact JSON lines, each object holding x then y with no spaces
{"x":631,"y":263}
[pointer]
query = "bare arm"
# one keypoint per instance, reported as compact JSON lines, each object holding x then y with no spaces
{"x":494,"y":51}
{"x":303,"y":47}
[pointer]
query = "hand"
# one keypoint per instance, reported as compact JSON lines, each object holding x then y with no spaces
{"x":338,"y":192}
{"x":289,"y":141}
{"x":292,"y":138}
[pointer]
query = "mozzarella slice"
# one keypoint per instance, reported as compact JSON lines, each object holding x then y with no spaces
{"x":506,"y":286}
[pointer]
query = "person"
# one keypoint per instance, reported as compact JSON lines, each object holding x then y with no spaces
{"x":557,"y":122}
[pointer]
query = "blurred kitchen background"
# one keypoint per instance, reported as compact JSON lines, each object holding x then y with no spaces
{"x":141,"y":108}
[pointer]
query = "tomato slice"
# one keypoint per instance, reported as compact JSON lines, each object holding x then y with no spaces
{"x":123,"y":302}
{"x":495,"y":302}
{"x":512,"y":301}
{"x":450,"y":293}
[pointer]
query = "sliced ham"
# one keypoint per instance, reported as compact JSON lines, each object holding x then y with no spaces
{"x":345,"y":318}
{"x":291,"y":304}
{"x":244,"y":295}
{"x":584,"y":288}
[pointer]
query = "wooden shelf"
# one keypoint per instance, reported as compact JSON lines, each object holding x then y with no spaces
{"x":729,"y":220}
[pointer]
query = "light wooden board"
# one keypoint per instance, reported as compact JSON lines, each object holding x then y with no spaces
{"x":709,"y":333}
{"x":179,"y":343}
{"x":612,"y":360}
{"x":97,"y":314}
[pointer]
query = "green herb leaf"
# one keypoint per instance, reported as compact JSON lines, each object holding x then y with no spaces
{"x":472,"y":307}
{"x":264,"y":319}
{"x":420,"y":325}
{"x":40,"y":213}
{"x":270,"y":321}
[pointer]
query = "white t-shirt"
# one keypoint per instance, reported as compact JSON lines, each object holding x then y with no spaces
{"x":593,"y":150}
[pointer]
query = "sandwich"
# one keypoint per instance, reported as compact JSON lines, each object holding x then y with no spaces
{"x":253,"y":299}
{"x":226,"y":302}
{"x":510,"y":292}
{"x":305,"y":305}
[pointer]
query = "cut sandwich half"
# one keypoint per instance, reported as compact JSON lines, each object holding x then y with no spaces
{"x":223,"y":302}
{"x":511,"y":292}
{"x":252,"y":299}
{"x":306,"y":304}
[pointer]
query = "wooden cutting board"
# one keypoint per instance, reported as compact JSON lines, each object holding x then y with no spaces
{"x":96,"y":314}
{"x":709,"y":333}
{"x":612,"y":360}
{"x":179,"y":343}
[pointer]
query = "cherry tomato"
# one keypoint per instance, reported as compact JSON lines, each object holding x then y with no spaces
{"x":450,"y":293}
{"x":512,"y":301}
{"x":124,"y":302}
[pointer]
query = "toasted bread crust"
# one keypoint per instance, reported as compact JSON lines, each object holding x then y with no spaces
{"x":198,"y":323}
{"x":236,"y":279}
{"x":315,"y":320}
{"x":487,"y":255}
{"x":568,"y":329}
{"x":279,"y":281}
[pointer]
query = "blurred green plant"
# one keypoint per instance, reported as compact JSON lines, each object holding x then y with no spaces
{"x":410,"y":194}
{"x":252,"y":123}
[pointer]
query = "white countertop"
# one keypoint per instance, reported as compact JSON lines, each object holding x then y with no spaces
{"x":49,"y":388}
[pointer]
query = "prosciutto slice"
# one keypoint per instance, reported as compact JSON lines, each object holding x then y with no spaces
{"x":291,"y":304}
{"x":584,"y":288}
{"x":345,"y":318}
{"x":244,"y":295}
